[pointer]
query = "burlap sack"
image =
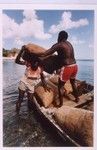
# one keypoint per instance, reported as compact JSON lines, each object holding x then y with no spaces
{"x":33,"y":48}
{"x":54,"y":79}
{"x":67,"y":86}
{"x":50,"y":63}
{"x":78,"y":123}
{"x":45,"y":97}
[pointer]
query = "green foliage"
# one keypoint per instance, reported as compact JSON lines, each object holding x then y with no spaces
{"x":5,"y":53}
{"x":9,"y":53}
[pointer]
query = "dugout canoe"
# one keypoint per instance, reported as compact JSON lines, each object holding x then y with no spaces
{"x":73,"y":121}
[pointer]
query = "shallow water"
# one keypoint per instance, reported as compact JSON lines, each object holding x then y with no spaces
{"x":86,"y":70}
{"x":26,"y":128}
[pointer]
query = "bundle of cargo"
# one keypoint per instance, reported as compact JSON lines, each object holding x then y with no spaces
{"x":50,"y":63}
{"x":45,"y":97}
{"x":33,"y":48}
{"x":77,"y":123}
{"x":72,"y":121}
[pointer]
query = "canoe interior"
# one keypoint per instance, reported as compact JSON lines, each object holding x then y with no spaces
{"x":46,"y":115}
{"x":86,"y":95}
{"x":85,"y":90}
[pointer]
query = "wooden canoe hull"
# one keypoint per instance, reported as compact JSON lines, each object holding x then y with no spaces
{"x":53,"y":126}
{"x":73,"y":109}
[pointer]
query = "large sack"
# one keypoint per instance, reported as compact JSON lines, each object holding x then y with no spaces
{"x":33,"y":48}
{"x":54,"y":79}
{"x":67,"y":86}
{"x":50,"y":63}
{"x":78,"y":123}
{"x":46,"y":97}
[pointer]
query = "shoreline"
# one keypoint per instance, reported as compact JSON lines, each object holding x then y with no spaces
{"x":9,"y":58}
{"x":13,"y":58}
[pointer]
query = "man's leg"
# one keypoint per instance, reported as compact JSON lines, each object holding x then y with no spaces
{"x":30,"y":100}
{"x":20,"y":100}
{"x":61,"y":91}
{"x":75,"y":91}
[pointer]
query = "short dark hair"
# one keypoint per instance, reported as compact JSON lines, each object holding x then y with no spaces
{"x":28,"y":56}
{"x":34,"y":65}
{"x":63,"y":35}
{"x":32,"y":59}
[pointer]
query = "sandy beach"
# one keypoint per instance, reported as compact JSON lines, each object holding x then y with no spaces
{"x":9,"y":58}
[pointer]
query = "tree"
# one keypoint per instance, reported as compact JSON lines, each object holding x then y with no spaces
{"x":5,"y":53}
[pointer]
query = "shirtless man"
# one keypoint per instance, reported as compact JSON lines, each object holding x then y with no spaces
{"x":69,"y":67}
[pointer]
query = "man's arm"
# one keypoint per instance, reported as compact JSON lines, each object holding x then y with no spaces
{"x":50,"y":51}
{"x":18,"y":58}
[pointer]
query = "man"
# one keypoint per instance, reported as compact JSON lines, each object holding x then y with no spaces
{"x":67,"y":60}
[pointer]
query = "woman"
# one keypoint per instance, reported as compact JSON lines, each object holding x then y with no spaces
{"x":31,"y":78}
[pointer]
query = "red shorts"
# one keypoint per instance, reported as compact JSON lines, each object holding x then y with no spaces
{"x":68,"y":72}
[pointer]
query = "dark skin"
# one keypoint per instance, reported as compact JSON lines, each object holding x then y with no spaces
{"x":66,"y":55}
{"x":21,"y":92}
{"x":65,"y":52}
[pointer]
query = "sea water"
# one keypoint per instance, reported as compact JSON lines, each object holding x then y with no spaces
{"x":26,"y":129}
{"x":86,"y":70}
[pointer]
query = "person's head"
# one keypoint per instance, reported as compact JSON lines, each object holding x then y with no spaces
{"x":34,"y":61}
{"x":63,"y":35}
{"x":26,"y":56}
{"x":34,"y":65}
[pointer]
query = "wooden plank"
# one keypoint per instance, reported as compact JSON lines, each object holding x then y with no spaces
{"x":84,"y":103}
